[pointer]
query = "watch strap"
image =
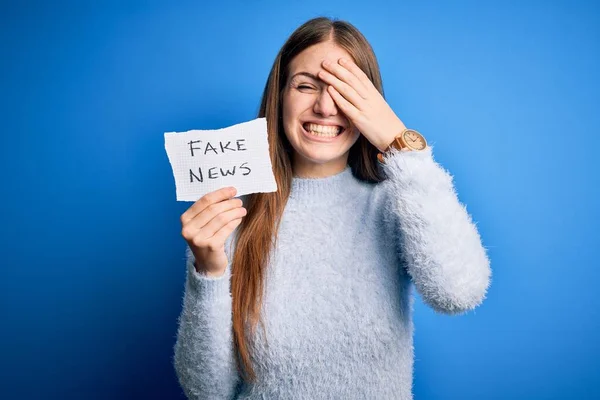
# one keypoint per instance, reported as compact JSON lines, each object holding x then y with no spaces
{"x":398,"y":143}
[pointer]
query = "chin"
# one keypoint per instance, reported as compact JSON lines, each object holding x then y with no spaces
{"x":324,"y":156}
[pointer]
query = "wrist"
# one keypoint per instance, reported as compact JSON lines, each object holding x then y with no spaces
{"x":385,"y":144}
{"x":208,"y":273}
{"x":407,"y":140}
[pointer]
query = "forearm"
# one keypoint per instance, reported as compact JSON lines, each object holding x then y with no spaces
{"x":438,"y":241}
{"x":204,"y":354}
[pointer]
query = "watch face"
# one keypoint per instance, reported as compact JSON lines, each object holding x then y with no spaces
{"x":414,"y":139}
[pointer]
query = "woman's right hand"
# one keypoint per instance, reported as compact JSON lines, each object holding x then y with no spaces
{"x":207,"y":224}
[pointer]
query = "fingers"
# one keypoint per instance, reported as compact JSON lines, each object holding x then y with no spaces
{"x":348,"y":75}
{"x":222,"y":219}
{"x":222,"y":234}
{"x":209,"y":213}
{"x":222,"y":223}
{"x":205,"y":201}
{"x":347,"y":108}
{"x":356,"y":71}
{"x":349,"y":92}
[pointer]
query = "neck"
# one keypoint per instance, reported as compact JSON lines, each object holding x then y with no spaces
{"x":304,"y":168}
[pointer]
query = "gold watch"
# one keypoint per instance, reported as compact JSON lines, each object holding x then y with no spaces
{"x":409,"y":139}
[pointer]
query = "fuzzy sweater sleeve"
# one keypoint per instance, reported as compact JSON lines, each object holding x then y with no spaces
{"x":437,"y":240}
{"x":204,"y":353}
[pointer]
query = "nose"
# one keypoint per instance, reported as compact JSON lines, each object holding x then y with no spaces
{"x":325,"y":105}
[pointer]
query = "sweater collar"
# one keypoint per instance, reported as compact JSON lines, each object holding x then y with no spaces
{"x":322,"y":190}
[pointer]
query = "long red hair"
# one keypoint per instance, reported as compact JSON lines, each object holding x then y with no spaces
{"x":258,"y":232}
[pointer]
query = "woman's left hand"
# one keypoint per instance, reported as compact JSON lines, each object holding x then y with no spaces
{"x":361,"y":102}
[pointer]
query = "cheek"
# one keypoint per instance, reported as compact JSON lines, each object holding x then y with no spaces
{"x":353,"y":138}
{"x":295,"y":104}
{"x":288,"y":109}
{"x":289,"y":117}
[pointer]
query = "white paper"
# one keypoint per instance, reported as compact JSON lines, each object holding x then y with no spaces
{"x":206,"y":160}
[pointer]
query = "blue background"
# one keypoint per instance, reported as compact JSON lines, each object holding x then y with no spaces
{"x":92,"y":258}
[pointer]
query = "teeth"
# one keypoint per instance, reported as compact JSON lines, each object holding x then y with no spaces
{"x":322,"y":130}
{"x":322,"y":134}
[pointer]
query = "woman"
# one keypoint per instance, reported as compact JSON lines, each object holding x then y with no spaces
{"x":325,"y":263}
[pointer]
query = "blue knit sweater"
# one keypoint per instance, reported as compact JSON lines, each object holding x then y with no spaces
{"x":338,"y":303}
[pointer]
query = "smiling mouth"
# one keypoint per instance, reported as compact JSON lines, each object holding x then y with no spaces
{"x":322,"y":130}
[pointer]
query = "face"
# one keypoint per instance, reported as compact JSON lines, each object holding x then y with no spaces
{"x":319,"y":132}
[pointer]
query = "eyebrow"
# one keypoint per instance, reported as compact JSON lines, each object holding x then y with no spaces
{"x":308,"y":74}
